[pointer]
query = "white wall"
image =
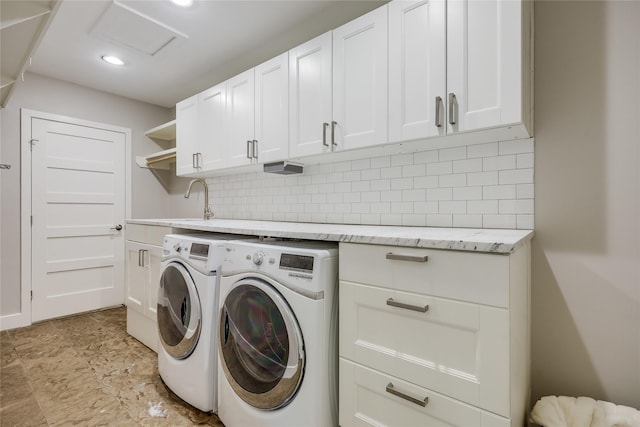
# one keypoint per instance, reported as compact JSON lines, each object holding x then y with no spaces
{"x":53,"y":96}
{"x":586,"y":252}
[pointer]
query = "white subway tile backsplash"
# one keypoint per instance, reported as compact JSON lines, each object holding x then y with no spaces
{"x":482,"y":150}
{"x":413,"y":170}
{"x":495,"y":192}
{"x":381,"y":162}
{"x":524,"y":191}
{"x":498,"y":163}
{"x":439,"y":194}
{"x":516,"y":176}
{"x":402,"y":160}
{"x":479,"y":185}
{"x":456,"y":153}
{"x":467,"y":193}
{"x":425,"y":157}
{"x":498,"y":221}
{"x":401,"y":183}
{"x":414,"y":195}
{"x":515,"y":146}
{"x":468,"y":165}
{"x":482,"y":178}
{"x":453,"y":180}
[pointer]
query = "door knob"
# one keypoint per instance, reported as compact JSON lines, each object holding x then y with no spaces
{"x":117,"y":227}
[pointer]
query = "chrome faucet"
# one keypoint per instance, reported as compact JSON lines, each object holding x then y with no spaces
{"x":208,"y":214}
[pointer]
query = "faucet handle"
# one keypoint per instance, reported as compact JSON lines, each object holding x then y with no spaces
{"x":208,"y":213}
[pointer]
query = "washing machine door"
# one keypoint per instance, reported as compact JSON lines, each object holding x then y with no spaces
{"x":179,"y":312}
{"x":261,"y":345}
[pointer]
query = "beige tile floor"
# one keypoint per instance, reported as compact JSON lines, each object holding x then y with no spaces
{"x":87,"y":371}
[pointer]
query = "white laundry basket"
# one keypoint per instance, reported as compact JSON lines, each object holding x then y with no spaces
{"x":563,"y":411}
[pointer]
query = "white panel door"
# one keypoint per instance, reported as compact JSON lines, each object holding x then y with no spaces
{"x":186,"y":136}
{"x":212,"y":124}
{"x":137,"y":277}
{"x":484,"y":63}
{"x":310,"y":96}
{"x":272,"y":109}
{"x":78,"y":202}
{"x":360,"y":81}
{"x":417,"y":69}
{"x":240,"y":119}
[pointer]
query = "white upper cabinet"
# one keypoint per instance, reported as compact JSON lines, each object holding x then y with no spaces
{"x":310,"y":97}
{"x":212,"y":130}
{"x":187,"y":141}
{"x":417,"y":78}
{"x":360,"y":81}
{"x":272,"y":109}
{"x":239,"y":147}
{"x":459,"y":66}
{"x":488,"y":80}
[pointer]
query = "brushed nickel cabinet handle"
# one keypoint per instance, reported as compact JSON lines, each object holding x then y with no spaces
{"x":412,"y":258}
{"x":453,"y":109}
{"x":418,"y":308}
{"x":140,"y":261}
{"x":438,"y":111}
{"x":419,"y":402}
{"x":199,"y":160}
{"x":249,"y":149}
{"x":255,"y":149}
{"x":324,"y":134}
{"x":333,"y":134}
{"x":193,"y":160}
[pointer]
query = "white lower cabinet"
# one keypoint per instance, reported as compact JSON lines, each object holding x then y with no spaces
{"x":144,"y":253}
{"x":433,"y":337}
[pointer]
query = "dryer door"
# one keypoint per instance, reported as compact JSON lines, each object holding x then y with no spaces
{"x":179,"y":312}
{"x":261,"y":346}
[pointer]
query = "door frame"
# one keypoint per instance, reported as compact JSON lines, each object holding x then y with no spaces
{"x":23,"y":318}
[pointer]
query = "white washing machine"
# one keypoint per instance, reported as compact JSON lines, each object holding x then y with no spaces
{"x":187,"y":316}
{"x":277,"y":336}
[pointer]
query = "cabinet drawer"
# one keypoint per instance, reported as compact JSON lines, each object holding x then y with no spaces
{"x":367,"y":399}
{"x":455,"y":348}
{"x":150,"y":234}
{"x":475,"y":277}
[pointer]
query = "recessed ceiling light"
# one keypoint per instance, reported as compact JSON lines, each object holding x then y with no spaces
{"x":113,"y":60}
{"x":183,"y":3}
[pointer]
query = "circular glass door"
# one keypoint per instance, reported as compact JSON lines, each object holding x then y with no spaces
{"x":179,"y":314}
{"x":261,"y":346}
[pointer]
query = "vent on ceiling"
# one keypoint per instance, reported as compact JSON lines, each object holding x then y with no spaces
{"x":127,"y":27}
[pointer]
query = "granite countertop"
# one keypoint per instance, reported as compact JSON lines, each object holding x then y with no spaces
{"x":463,"y":239}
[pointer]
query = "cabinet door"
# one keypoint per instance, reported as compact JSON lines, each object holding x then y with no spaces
{"x":240,"y":119}
{"x":454,"y":348}
{"x":153,"y":259}
{"x":212,"y":124}
{"x":272,"y":109}
{"x":484,"y":63}
{"x":137,"y":277}
{"x":370,"y":397}
{"x":310,"y":97}
{"x":417,"y":69}
{"x":360,"y":81}
{"x":186,"y":135}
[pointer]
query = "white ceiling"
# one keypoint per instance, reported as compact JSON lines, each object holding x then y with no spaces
{"x":211,"y":41}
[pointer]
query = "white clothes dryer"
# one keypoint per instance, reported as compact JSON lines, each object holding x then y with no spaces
{"x":187,"y":316}
{"x":277,"y":356}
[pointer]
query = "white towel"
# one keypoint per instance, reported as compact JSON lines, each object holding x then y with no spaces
{"x":563,"y":411}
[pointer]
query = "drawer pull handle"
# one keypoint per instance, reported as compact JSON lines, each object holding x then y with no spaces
{"x":421,"y":309}
{"x":411,"y":399}
{"x":413,"y":258}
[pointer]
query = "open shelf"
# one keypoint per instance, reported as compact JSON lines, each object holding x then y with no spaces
{"x":157,"y":160}
{"x":166,"y":134}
